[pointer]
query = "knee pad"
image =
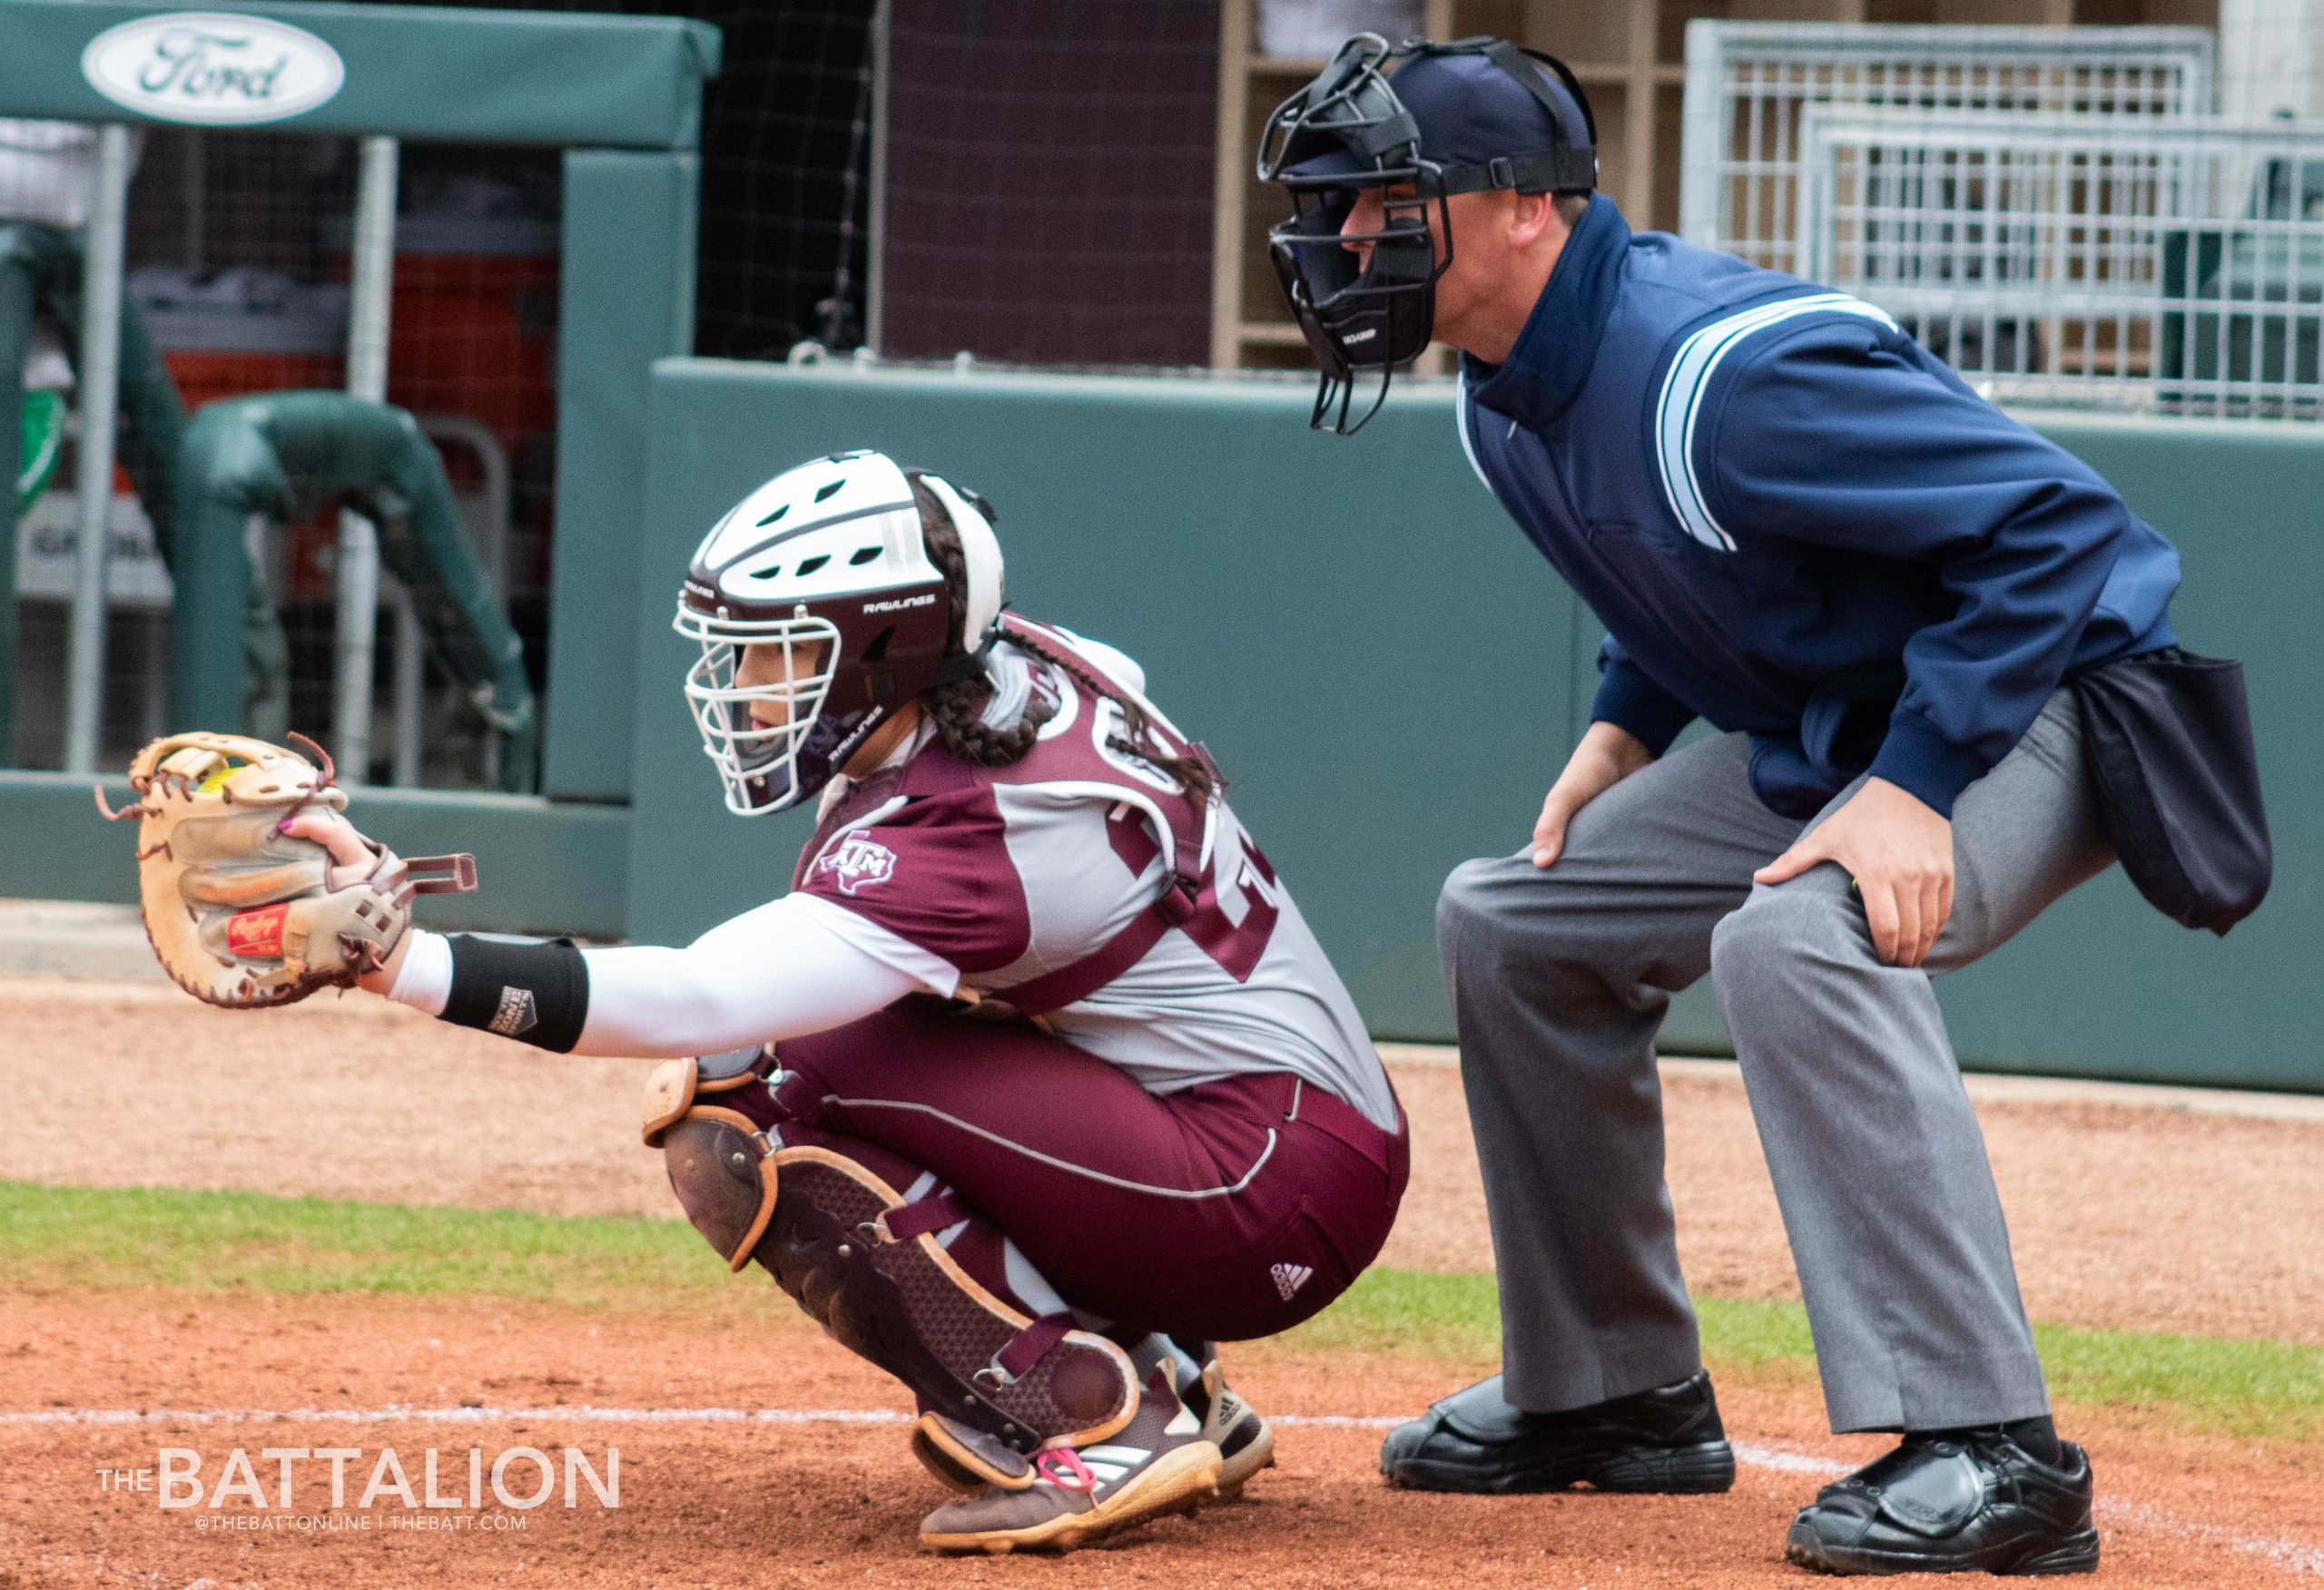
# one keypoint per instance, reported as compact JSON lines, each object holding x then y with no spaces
{"x":673,"y":1087}
{"x":866,"y":1266}
{"x":720,"y":1164}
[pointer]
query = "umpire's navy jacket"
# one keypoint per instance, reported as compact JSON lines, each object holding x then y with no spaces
{"x":1795,"y":521}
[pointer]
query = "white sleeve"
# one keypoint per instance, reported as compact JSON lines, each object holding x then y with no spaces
{"x":789,"y":967}
{"x":778,"y":971}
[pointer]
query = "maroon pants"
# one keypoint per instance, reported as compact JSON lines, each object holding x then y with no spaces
{"x":1230,"y":1210}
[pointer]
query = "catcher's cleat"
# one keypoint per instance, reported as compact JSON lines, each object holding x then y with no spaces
{"x":1246,"y":1442}
{"x":1668,"y":1439}
{"x":1980,"y":1503}
{"x":1159,"y":1463}
{"x":866,"y":1266}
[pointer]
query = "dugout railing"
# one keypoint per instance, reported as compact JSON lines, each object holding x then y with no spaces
{"x":2165,"y":267}
{"x":1748,"y":85}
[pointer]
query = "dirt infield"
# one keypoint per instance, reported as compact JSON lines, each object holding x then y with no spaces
{"x":833,"y":1503}
{"x":2130,"y":1218}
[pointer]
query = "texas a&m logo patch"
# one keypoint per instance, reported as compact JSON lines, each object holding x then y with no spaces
{"x":856,"y":862}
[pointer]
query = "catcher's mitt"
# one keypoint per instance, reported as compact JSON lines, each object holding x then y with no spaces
{"x":240,"y":913}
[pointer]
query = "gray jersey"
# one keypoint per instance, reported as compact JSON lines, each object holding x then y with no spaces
{"x":1006,"y":882}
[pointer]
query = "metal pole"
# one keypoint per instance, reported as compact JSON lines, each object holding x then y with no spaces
{"x":875,"y":268}
{"x":373,"y":273}
{"x":410,"y":677}
{"x":100,"y":383}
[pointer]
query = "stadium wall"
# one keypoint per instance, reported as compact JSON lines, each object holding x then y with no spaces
{"x":1391,"y":676}
{"x":1385,"y":669}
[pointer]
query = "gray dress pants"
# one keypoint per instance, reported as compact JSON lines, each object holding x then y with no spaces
{"x":1559,"y":979}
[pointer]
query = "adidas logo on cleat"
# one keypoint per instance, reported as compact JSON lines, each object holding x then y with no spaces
{"x":1111,"y":1463}
{"x":1290,"y":1277}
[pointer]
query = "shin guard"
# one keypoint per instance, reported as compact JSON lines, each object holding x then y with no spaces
{"x":866,"y":1266}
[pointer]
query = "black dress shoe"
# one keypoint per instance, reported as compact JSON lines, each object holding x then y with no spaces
{"x":1666,"y":1439}
{"x":1979,"y":1504}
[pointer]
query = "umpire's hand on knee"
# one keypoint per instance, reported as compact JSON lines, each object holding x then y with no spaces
{"x":1899,"y":853}
{"x":1606,"y":756}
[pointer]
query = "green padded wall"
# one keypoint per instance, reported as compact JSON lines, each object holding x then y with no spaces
{"x":627,"y":300}
{"x":542,"y":867}
{"x":1390,"y":675}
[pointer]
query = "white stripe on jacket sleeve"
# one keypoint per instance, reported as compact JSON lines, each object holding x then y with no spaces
{"x":1680,"y":407}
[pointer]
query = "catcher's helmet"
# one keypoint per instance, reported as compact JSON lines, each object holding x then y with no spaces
{"x":827,"y":562}
{"x":1455,"y":118}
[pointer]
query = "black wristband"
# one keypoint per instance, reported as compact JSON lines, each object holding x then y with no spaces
{"x":535,"y":993}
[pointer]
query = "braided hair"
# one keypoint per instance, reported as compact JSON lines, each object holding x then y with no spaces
{"x":957,"y":709}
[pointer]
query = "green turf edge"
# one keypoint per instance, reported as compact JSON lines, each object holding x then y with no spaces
{"x":81,"y":1236}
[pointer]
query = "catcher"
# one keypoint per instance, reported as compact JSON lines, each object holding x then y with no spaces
{"x":1033,"y":1088}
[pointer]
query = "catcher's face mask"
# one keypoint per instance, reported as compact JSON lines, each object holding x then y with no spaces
{"x":822,"y":580}
{"x":1372,"y":309}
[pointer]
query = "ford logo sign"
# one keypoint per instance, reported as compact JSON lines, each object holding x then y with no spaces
{"x":212,"y":68}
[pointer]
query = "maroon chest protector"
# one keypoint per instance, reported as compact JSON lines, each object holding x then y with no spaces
{"x":1151,"y":817}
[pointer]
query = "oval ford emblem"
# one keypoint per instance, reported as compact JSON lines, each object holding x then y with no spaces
{"x":212,"y":68}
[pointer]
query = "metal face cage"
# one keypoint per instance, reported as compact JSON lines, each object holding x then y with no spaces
{"x":767,"y":766}
{"x":1366,"y":300}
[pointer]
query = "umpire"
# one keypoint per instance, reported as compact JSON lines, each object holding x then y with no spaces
{"x":1797,"y":525}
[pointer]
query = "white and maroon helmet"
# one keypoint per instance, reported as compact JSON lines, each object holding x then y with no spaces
{"x":827,"y":562}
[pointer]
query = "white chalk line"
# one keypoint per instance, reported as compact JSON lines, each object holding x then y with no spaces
{"x":582,"y":1412}
{"x":1786,"y":1461}
{"x":464,"y":1414}
{"x":2292,"y":1555}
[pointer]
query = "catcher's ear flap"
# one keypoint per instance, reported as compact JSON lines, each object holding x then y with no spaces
{"x":980,"y":553}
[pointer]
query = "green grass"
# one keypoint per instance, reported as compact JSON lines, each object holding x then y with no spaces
{"x":141,"y":1236}
{"x":80,"y":1236}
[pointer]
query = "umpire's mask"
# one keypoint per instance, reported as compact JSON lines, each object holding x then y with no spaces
{"x":1455,"y":118}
